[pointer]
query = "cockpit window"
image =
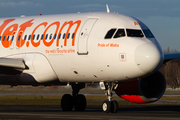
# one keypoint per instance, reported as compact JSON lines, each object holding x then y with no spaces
{"x":148,"y":33}
{"x":110,"y":33}
{"x":134,"y":33}
{"x":119,"y":33}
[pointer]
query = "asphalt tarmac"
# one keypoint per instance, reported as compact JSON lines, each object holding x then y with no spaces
{"x":54,"y":112}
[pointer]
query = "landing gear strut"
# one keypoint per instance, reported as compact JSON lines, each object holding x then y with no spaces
{"x":109,"y":105}
{"x":76,"y":100}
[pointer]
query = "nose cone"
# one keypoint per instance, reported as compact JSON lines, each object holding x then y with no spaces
{"x":148,"y":57}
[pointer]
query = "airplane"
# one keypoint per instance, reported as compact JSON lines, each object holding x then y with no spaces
{"x":117,"y":51}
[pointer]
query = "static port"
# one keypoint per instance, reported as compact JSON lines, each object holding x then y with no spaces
{"x":75,"y":72}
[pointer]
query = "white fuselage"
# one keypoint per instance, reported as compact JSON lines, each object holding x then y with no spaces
{"x":81,"y":53}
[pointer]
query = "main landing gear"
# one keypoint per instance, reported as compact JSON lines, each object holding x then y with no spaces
{"x":110,"y":105}
{"x":76,"y":100}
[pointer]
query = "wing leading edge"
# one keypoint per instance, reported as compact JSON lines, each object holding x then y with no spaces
{"x":170,"y":56}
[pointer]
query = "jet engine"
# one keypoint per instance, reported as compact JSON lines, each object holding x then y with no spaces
{"x":145,"y":90}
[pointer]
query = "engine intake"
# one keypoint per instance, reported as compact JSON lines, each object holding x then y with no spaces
{"x":145,"y":90}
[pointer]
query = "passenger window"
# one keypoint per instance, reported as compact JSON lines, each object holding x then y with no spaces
{"x":12,"y":37}
{"x":59,"y":36}
{"x":119,"y":33}
{"x":50,"y":37}
{"x":33,"y":37}
{"x":29,"y":37}
{"x":72,"y":35}
{"x":64,"y":35}
{"x":19,"y":37}
{"x":148,"y":33}
{"x":25,"y":37}
{"x":134,"y":33}
{"x":8,"y":38}
{"x":37,"y":37}
{"x":110,"y":33}
{"x":55,"y":36}
{"x":46,"y":36}
{"x":68,"y":35}
{"x":42,"y":36}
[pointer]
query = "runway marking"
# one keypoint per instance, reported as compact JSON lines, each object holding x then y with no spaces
{"x":94,"y":115}
{"x":145,"y":112}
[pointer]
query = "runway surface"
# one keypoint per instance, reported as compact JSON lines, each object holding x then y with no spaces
{"x":54,"y":112}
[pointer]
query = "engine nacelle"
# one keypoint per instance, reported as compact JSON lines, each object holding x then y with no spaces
{"x":145,"y":90}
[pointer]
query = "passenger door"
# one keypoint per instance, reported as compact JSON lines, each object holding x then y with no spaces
{"x":84,"y":35}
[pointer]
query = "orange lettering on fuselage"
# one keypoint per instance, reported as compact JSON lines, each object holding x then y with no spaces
{"x":57,"y":27}
{"x":5,"y":43}
{"x":19,"y":41}
{"x":8,"y":32}
{"x":12,"y":29}
{"x":70,"y":25}
{"x":36,"y":44}
{"x":5,"y":24}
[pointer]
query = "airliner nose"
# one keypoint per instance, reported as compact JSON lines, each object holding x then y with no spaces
{"x":148,"y":57}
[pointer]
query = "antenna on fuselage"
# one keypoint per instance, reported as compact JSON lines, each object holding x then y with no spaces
{"x":108,"y":11}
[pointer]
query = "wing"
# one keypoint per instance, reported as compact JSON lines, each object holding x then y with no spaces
{"x":12,"y":66}
{"x":170,"y":56}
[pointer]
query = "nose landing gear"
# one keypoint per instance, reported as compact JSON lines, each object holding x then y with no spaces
{"x":110,"y":105}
